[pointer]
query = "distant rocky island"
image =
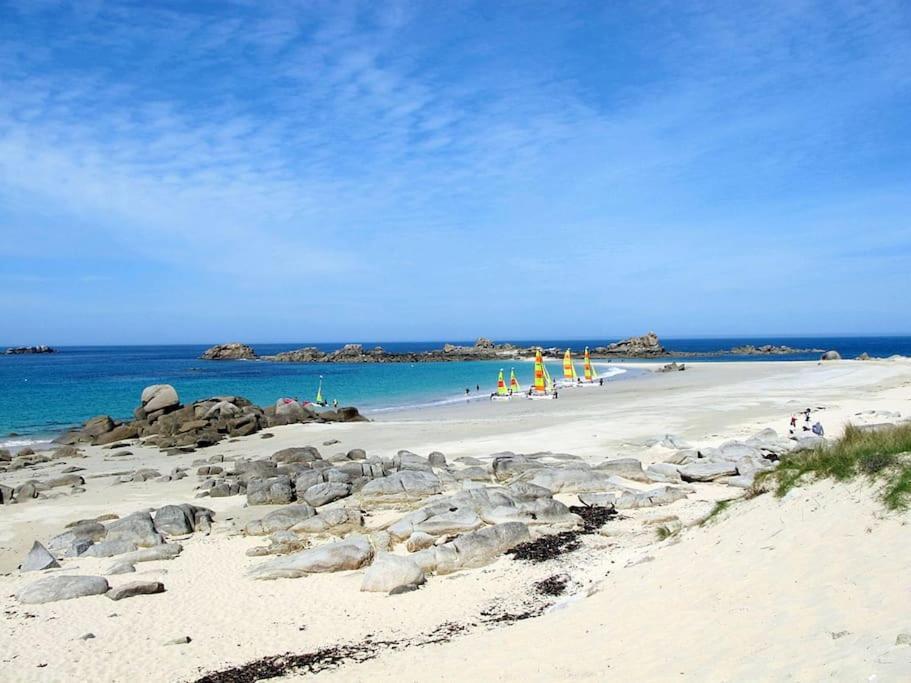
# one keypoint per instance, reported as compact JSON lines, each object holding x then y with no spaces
{"x":646,"y":346}
{"x":22,"y":350}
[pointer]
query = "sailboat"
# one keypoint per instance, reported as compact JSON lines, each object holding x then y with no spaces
{"x":514,"y":386}
{"x":570,"y":378}
{"x":590,"y":375}
{"x":502,"y":392}
{"x":320,"y":401}
{"x":543,"y":386}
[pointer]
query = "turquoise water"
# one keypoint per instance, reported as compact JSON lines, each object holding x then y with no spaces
{"x":42,"y":395}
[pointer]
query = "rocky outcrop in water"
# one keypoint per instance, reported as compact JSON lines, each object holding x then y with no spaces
{"x":769,"y":350}
{"x":483,"y":349}
{"x":231,"y":351}
{"x":161,"y":420}
{"x":20,"y":350}
{"x":646,"y":346}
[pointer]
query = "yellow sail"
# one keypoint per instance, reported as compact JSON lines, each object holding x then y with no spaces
{"x":501,"y":386}
{"x":514,"y":386}
{"x":319,"y":393}
{"x":569,"y":370}
{"x":541,"y":377}
{"x":590,"y":374}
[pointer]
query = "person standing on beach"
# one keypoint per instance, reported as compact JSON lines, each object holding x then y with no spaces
{"x":793,"y":423}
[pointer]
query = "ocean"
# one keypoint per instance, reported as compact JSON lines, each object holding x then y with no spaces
{"x":43,"y":395}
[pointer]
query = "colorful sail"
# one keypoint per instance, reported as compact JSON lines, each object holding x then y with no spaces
{"x":319,"y":393}
{"x":590,"y":374}
{"x":569,"y":370}
{"x":514,"y":386}
{"x":541,"y":383}
{"x":501,"y":385}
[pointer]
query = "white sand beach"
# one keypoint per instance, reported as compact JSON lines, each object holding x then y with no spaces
{"x":809,"y":587}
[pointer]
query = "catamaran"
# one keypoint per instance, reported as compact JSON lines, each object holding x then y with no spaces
{"x":320,"y":401}
{"x":502,"y":392}
{"x":543,"y":386}
{"x":570,"y":378}
{"x":590,"y":375}
{"x":514,"y":387}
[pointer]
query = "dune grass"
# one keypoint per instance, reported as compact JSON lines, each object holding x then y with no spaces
{"x":882,"y":455}
{"x":664,"y":532}
{"x":720,"y":506}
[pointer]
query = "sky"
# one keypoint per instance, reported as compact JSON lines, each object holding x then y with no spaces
{"x":198,"y":172}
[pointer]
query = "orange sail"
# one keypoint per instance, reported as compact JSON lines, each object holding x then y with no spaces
{"x":501,"y":386}
{"x":542,"y":383}
{"x":590,"y":374}
{"x":569,"y":370}
{"x":514,"y":386}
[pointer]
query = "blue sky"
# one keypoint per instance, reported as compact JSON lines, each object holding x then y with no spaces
{"x":193,"y":172}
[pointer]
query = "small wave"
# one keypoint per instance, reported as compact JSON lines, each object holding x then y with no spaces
{"x":23,"y":442}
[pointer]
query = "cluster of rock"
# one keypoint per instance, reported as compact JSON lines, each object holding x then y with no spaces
{"x":231,"y":351}
{"x":735,"y":463}
{"x":672,"y":367}
{"x":500,"y":505}
{"x":457,"y":515}
{"x":769,"y":350}
{"x":20,"y":350}
{"x":646,"y":346}
{"x":483,"y":349}
{"x":139,"y":537}
{"x":161,"y":420}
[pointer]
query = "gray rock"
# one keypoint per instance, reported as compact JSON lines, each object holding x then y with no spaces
{"x":406,"y":485}
{"x":166,"y":551}
{"x":272,"y":491}
{"x":54,"y":588}
{"x":357,"y":454}
{"x":130,"y":590}
{"x":447,"y":523}
{"x":903,"y":638}
{"x":628,"y":468}
{"x":322,"y":494}
{"x":75,"y":541}
{"x":406,"y":460}
{"x":110,"y":548}
{"x":707,"y":471}
{"x":25,"y":492}
{"x":177,"y":520}
{"x":137,"y":527}
{"x":6,"y":494}
{"x":183,"y":640}
{"x":419,"y":541}
{"x":569,"y":480}
{"x":474,"y":549}
{"x":281,"y":519}
{"x":303,"y":454}
{"x":437,"y":459}
{"x":120,"y":568}
{"x":830,"y":355}
{"x":663,"y":472}
{"x":336,"y":521}
{"x":66,"y":480}
{"x":38,"y":558}
{"x":159,"y":397}
{"x":389,"y":572}
{"x":352,"y":553}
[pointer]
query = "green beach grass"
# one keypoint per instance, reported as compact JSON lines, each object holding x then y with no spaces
{"x":881,"y":455}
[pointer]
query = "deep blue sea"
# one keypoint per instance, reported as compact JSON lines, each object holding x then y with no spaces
{"x":42,"y":395}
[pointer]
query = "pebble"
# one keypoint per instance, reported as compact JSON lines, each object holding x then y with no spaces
{"x":183,"y":640}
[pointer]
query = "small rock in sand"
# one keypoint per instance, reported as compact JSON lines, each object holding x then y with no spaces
{"x":38,"y":558}
{"x":54,"y":588}
{"x":135,"y":588}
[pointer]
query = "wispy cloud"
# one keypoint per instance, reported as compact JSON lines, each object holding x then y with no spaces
{"x":369,"y":148}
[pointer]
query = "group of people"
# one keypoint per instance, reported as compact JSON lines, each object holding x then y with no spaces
{"x":816,"y":428}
